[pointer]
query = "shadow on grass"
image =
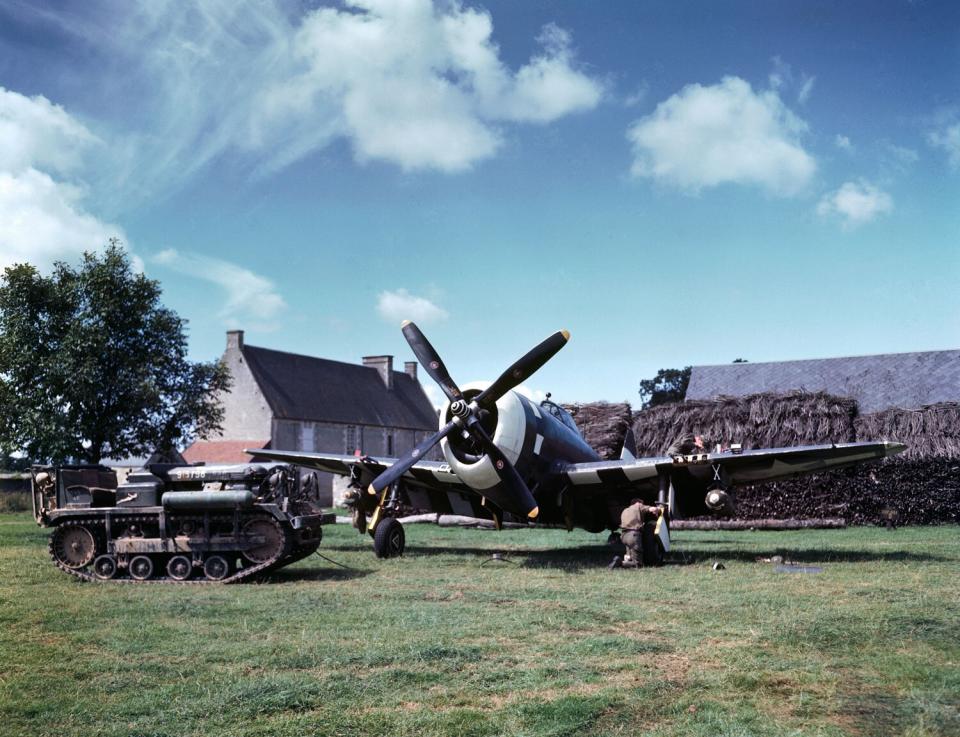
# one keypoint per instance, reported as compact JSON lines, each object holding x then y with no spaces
{"x":332,"y":573}
{"x":591,"y":557}
{"x":574,"y":560}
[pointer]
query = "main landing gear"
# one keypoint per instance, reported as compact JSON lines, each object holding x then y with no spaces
{"x":389,"y":539}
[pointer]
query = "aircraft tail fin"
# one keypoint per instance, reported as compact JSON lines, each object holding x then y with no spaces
{"x":629,"y":450}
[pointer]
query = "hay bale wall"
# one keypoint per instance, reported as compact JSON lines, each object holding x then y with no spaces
{"x":756,"y":421}
{"x":603,"y":424}
{"x":921,"y":486}
{"x":931,"y":432}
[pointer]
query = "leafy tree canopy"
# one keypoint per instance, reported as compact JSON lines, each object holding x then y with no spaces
{"x":669,"y":385}
{"x":93,"y":366}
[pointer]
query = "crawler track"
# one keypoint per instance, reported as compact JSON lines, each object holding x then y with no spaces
{"x":96,"y":526}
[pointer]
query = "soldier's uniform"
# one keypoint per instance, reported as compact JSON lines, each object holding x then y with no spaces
{"x":631,"y":524}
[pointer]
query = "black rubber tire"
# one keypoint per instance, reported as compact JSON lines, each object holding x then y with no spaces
{"x":651,"y":545}
{"x":140,"y":568}
{"x":216,"y":568}
{"x":105,"y":567}
{"x":179,"y":567}
{"x":389,"y":539}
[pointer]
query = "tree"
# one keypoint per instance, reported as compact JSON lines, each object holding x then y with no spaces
{"x":669,"y":385}
{"x":92,"y":365}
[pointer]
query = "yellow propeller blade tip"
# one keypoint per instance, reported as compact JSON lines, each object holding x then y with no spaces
{"x":404,"y":324}
{"x":565,"y":334}
{"x":371,"y":490}
{"x":532,"y":514}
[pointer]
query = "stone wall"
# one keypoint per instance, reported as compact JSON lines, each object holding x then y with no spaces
{"x":246,"y":414}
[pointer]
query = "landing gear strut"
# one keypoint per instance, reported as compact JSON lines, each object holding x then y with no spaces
{"x":389,"y":538}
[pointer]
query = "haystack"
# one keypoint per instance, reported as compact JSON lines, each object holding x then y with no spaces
{"x":603,"y":424}
{"x":929,"y":432}
{"x":756,"y":421}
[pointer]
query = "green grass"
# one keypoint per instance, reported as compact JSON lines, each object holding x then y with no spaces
{"x":443,"y":642}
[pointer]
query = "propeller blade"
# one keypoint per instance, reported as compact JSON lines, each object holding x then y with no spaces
{"x":404,"y":464}
{"x":512,"y":493}
{"x":523,"y":368}
{"x":430,"y":360}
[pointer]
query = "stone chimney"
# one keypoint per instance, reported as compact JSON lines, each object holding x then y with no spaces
{"x":383,"y":364}
{"x":410,"y":369}
{"x":235,"y":340}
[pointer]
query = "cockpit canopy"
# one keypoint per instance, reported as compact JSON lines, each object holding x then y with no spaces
{"x":561,"y":414}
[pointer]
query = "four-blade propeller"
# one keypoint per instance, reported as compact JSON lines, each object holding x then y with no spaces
{"x":511,"y":494}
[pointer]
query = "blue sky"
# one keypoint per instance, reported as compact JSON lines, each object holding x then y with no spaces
{"x":675,"y":183}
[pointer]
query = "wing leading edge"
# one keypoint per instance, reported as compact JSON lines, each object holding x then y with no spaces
{"x":431,"y":474}
{"x":745,"y":467}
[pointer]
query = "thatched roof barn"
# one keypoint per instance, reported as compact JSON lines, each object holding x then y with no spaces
{"x":877,"y":383}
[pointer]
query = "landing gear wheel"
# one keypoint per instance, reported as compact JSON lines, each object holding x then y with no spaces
{"x":73,"y":546}
{"x":651,"y":545}
{"x":141,"y":568}
{"x":105,"y":567}
{"x":179,"y":568}
{"x":389,"y":539}
{"x":216,"y":568}
{"x":272,"y":544}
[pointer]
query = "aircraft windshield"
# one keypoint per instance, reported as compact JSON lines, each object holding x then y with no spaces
{"x":561,"y":414}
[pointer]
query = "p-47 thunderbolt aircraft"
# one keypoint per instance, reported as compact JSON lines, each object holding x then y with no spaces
{"x":510,"y":458}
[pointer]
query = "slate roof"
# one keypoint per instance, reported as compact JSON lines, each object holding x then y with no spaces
{"x":307,"y":388}
{"x":906,"y":380}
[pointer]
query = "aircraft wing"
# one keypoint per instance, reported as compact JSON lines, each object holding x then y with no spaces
{"x":744,"y":467}
{"x":428,"y":484}
{"x":434,"y":474}
{"x":770,"y":464}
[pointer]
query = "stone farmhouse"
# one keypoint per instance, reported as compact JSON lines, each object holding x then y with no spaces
{"x":879,"y":382}
{"x":287,"y":401}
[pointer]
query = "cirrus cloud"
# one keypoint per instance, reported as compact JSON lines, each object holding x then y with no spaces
{"x":726,"y":133}
{"x":248,"y":297}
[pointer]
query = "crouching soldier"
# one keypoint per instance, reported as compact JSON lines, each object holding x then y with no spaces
{"x":632,"y":521}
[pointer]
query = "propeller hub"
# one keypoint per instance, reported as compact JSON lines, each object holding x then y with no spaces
{"x":459,"y":408}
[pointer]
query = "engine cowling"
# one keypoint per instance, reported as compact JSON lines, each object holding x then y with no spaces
{"x":507,"y":426}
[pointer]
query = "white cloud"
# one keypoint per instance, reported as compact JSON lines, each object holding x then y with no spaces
{"x":782,"y":78}
{"x":42,"y":219}
{"x":638,"y":96}
{"x":399,"y":305}
{"x":249,"y":298}
{"x":948,"y":138}
{"x":35,"y":133}
{"x":843,"y":143}
{"x":856,"y":203}
{"x":806,"y":89}
{"x":418,"y":84}
{"x":723,"y":133}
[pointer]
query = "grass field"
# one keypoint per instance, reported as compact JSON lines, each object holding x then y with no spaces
{"x":447,"y":642}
